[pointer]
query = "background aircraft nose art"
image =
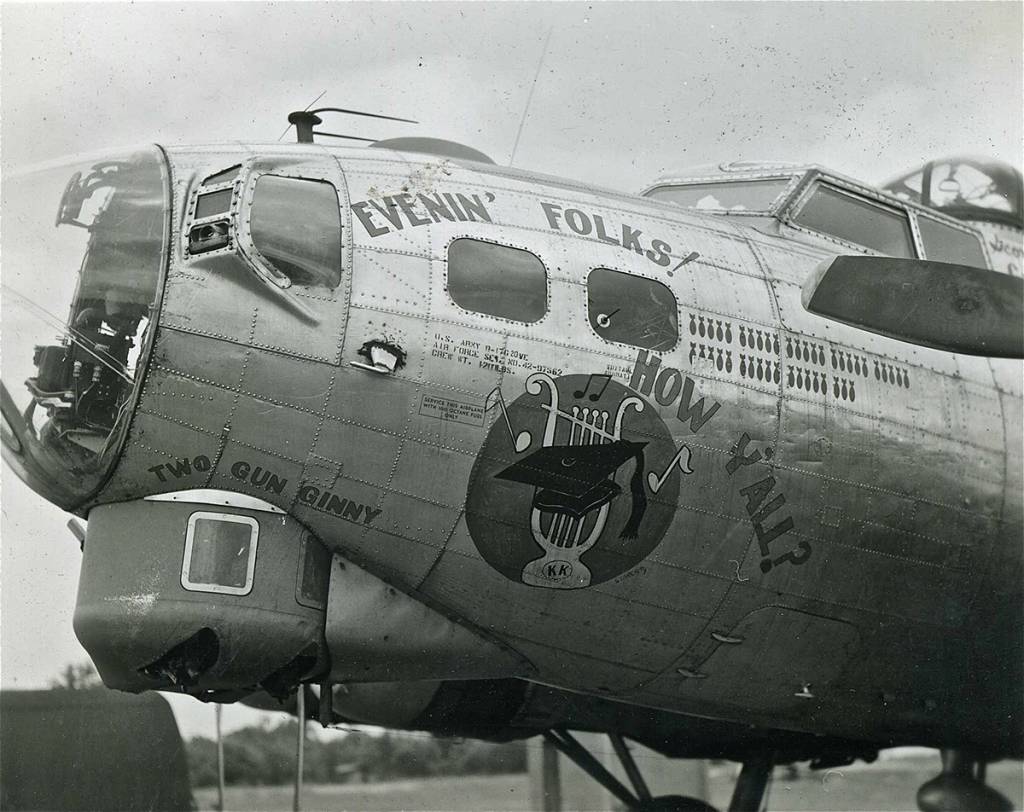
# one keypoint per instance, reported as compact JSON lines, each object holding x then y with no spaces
{"x":575,"y":484}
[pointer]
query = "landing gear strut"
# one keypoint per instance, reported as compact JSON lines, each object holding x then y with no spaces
{"x":960,"y":786}
{"x":747,"y":797}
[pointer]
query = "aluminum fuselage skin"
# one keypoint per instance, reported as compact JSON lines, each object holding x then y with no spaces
{"x":887,"y":608}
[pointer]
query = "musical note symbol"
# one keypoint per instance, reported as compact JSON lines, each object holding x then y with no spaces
{"x":597,"y":395}
{"x":682,"y":459}
{"x":522,"y":441}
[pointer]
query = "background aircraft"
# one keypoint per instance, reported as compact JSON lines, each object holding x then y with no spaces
{"x":616,"y":496}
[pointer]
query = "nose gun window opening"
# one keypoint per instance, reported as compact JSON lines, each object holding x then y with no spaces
{"x":295,"y":224}
{"x":220,"y":553}
{"x":633,"y":310}
{"x":497,"y":280}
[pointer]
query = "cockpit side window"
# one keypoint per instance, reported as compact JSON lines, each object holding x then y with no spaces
{"x":944,"y":243}
{"x":296,"y":227}
{"x":857,"y":220}
{"x":497,"y":280}
{"x":632,"y":310}
{"x":739,"y":196}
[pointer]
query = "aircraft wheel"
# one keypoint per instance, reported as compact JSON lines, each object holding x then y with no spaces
{"x":675,"y":803}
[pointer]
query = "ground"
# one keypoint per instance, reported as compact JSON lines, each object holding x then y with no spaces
{"x":884,"y":786}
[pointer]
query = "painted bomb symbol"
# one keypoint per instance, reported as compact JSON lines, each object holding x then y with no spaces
{"x":593,"y":508}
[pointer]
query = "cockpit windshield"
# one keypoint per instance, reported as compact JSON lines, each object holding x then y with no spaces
{"x":84,"y":248}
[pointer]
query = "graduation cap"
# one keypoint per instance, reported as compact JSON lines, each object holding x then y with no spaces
{"x":574,"y":479}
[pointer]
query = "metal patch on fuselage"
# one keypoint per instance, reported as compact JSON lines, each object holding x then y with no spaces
{"x":576,"y":483}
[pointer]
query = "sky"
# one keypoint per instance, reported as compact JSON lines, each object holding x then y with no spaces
{"x":619,"y":94}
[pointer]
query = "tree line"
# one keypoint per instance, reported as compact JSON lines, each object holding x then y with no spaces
{"x":265,"y":755}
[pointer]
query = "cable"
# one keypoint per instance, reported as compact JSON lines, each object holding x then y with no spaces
{"x":529,"y":97}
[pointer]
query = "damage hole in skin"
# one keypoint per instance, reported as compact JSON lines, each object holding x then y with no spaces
{"x":385,"y":355}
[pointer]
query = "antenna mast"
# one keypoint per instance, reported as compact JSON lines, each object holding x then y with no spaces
{"x":306,"y":120}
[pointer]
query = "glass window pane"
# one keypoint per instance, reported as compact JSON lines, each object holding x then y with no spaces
{"x":314,"y":573}
{"x":497,"y":280}
{"x":739,"y":195}
{"x":859,"y":221}
{"x":213,"y":203}
{"x":632,"y":310}
{"x":944,"y":243}
{"x":296,"y":226}
{"x":222,"y":177}
{"x":90,"y":278}
{"x":220,"y":553}
{"x":964,"y":185}
{"x":907,"y":187}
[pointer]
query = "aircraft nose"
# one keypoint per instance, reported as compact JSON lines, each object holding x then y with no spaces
{"x":78,"y":293}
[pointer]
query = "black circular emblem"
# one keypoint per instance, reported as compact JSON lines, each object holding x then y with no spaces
{"x":576,"y":483}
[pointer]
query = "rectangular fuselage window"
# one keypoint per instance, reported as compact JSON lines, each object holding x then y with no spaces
{"x":213,"y":203}
{"x":736,"y":195}
{"x":220,"y":553}
{"x":223,"y":177}
{"x":632,"y":310}
{"x":944,"y":243}
{"x":497,"y":280}
{"x":314,"y":573}
{"x":296,"y":226}
{"x":863,"y":222}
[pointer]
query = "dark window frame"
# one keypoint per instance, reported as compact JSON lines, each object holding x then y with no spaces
{"x":226,"y":177}
{"x":922,"y":217}
{"x":195,"y":246}
{"x":821,"y":183}
{"x":310,"y":550}
{"x":220,"y":589}
{"x":522,"y":249}
{"x":211,"y":193}
{"x":647,"y":279}
{"x":258,"y":255}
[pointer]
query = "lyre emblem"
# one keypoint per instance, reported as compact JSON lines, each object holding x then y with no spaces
{"x":561,"y":496}
{"x":573,"y":477}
